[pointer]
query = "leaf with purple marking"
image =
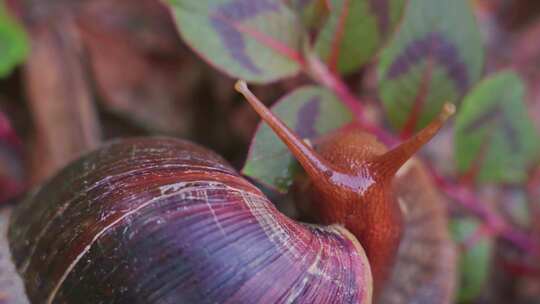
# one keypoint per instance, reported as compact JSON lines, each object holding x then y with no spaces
{"x":354,"y":31}
{"x":435,"y":57}
{"x":256,"y":40}
{"x":495,"y":138}
{"x":476,"y":253}
{"x":310,"y":111}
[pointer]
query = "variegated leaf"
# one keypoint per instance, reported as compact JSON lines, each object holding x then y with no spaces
{"x":495,"y":138}
{"x":354,"y":31}
{"x":256,"y":40}
{"x":435,"y":57}
{"x":476,"y":252}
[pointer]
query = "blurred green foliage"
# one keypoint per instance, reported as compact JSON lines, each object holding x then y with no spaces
{"x":495,"y":138}
{"x":474,"y":259}
{"x":14,"y":44}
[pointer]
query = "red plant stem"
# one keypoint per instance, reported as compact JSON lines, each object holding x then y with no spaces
{"x":468,"y":199}
{"x":333,"y":59}
{"x":9,"y":186}
{"x":419,"y":102}
{"x":520,"y":268}
{"x":7,"y":133}
{"x":320,"y":72}
{"x":457,"y":192}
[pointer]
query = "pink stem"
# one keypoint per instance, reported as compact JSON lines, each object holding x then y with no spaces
{"x":457,"y":192}
{"x":7,"y":133}
{"x":320,"y":72}
{"x":9,"y":186}
{"x":496,"y":223}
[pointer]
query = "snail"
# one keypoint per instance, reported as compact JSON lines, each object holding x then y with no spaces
{"x":160,"y":220}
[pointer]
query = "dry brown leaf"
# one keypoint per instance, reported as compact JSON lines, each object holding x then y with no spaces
{"x":59,"y":97}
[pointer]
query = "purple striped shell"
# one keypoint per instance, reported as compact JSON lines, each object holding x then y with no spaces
{"x":155,"y":220}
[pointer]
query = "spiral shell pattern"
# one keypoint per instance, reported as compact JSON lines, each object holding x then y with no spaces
{"x":157,"y":220}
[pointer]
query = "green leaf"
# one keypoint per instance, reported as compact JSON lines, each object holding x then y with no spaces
{"x":310,"y":111}
{"x":13,"y":42}
{"x":313,"y":13}
{"x":435,"y":57}
{"x":354,"y":31}
{"x":475,"y":257}
{"x":256,"y":40}
{"x":495,"y":138}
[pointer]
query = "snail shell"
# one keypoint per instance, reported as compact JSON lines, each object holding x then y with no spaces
{"x":155,"y":220}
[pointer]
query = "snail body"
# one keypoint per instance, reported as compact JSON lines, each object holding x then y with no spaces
{"x":373,"y":216}
{"x":155,"y":220}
